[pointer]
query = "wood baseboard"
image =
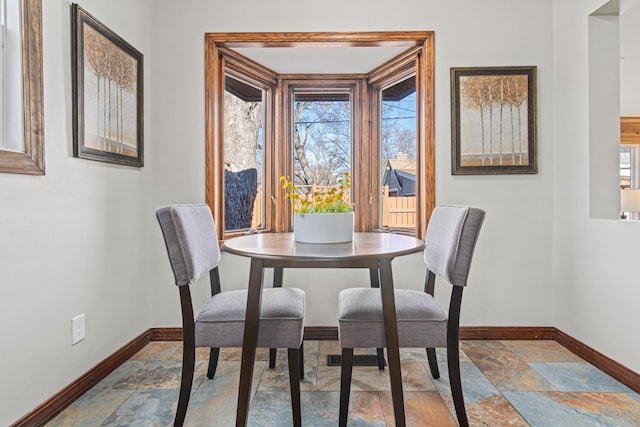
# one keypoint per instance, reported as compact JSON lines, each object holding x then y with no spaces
{"x":321,"y":333}
{"x":506,"y":332}
{"x":65,"y":397}
{"x":166,"y":334}
{"x":315,"y":333}
{"x":53,"y":406}
{"x":324,"y":333}
{"x":612,"y":368}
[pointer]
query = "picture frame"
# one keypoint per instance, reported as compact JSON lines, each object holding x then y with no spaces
{"x":494,"y":120}
{"x":107,"y":74}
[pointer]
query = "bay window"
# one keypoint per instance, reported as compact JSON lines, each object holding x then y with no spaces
{"x":314,"y":127}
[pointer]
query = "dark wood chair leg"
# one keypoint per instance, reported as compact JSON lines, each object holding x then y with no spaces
{"x":453,"y":355}
{"x":374,"y":278}
{"x":301,"y":360}
{"x":345,"y":385}
{"x":456,"y":385}
{"x":188,"y":364}
{"x":277,"y":283}
{"x":380,"y":352}
{"x":188,"y":355}
{"x":433,"y":363}
{"x":272,"y":357}
{"x":213,"y":362}
{"x":294,"y":383}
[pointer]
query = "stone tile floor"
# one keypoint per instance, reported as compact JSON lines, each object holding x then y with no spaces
{"x":506,"y":383}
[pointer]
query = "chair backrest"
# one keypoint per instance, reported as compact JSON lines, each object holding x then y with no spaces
{"x":451,"y":239}
{"x":191,"y":240}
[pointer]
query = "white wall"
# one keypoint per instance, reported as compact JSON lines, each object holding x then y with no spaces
{"x":604,"y":116}
{"x":73,"y":241}
{"x":630,"y":62}
{"x":511,"y":278}
{"x":83,"y":237}
{"x":595,"y":287}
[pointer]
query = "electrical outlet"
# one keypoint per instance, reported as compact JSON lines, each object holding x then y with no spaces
{"x":77,"y":329}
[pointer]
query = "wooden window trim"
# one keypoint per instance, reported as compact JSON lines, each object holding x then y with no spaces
{"x":291,"y":84}
{"x":630,"y":130}
{"x":216,"y":53}
{"x":229,"y":62}
{"x":411,"y":62}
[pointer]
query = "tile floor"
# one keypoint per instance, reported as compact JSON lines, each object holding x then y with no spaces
{"x":506,"y":383}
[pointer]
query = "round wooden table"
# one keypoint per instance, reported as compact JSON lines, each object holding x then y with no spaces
{"x":373,"y":251}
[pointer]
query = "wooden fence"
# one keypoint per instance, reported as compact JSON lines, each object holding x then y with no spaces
{"x":398,"y":212}
{"x":256,"y":220}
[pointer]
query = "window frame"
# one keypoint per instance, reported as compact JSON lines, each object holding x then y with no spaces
{"x":634,"y":163}
{"x":289,"y":86}
{"x":279,"y":158}
{"x":239,"y":67}
{"x":31,"y":160}
{"x":402,"y":67}
{"x":630,"y":138}
{"x":3,"y":18}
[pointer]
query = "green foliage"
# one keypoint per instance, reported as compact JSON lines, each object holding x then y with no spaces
{"x":331,"y":200}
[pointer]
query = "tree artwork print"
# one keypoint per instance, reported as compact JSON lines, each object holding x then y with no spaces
{"x":109,"y":96}
{"x":107,"y":93}
{"x":494,"y":120}
{"x":494,"y":131}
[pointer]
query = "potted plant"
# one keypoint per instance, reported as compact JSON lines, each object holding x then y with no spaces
{"x":322,"y":216}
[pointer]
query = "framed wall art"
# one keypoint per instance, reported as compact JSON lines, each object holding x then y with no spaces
{"x":494,"y":125}
{"x":107,"y":93}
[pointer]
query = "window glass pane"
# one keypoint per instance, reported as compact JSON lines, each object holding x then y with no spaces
{"x":12,"y":137}
{"x":625,"y":167}
{"x":321,"y":140}
{"x":398,"y":156}
{"x":243,"y":155}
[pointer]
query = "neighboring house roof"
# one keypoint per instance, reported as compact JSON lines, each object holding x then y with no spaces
{"x":400,"y":176}
{"x":408,"y":166}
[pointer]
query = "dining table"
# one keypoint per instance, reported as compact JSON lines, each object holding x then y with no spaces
{"x":367,"y":250}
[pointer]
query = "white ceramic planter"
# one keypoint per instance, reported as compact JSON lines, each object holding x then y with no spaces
{"x":323,"y":227}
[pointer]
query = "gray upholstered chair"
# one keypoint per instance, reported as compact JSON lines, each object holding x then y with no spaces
{"x":192,"y":245}
{"x":450,"y":242}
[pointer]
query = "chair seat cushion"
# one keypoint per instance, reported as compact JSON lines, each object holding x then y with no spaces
{"x":421,"y":321}
{"x":220,"y":322}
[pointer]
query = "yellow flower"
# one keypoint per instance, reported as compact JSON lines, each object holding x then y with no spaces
{"x":329,"y":200}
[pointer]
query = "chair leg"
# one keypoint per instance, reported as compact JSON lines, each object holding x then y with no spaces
{"x":345,"y":385}
{"x":188,"y":364}
{"x":380,"y":359}
{"x":294,"y":383}
{"x":433,"y":363}
{"x":301,"y":360}
{"x":453,"y":361}
{"x":278,"y":274}
{"x":213,"y":362}
{"x":272,"y":357}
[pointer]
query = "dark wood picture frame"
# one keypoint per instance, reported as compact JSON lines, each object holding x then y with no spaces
{"x":105,"y":128}
{"x":494,"y":120}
